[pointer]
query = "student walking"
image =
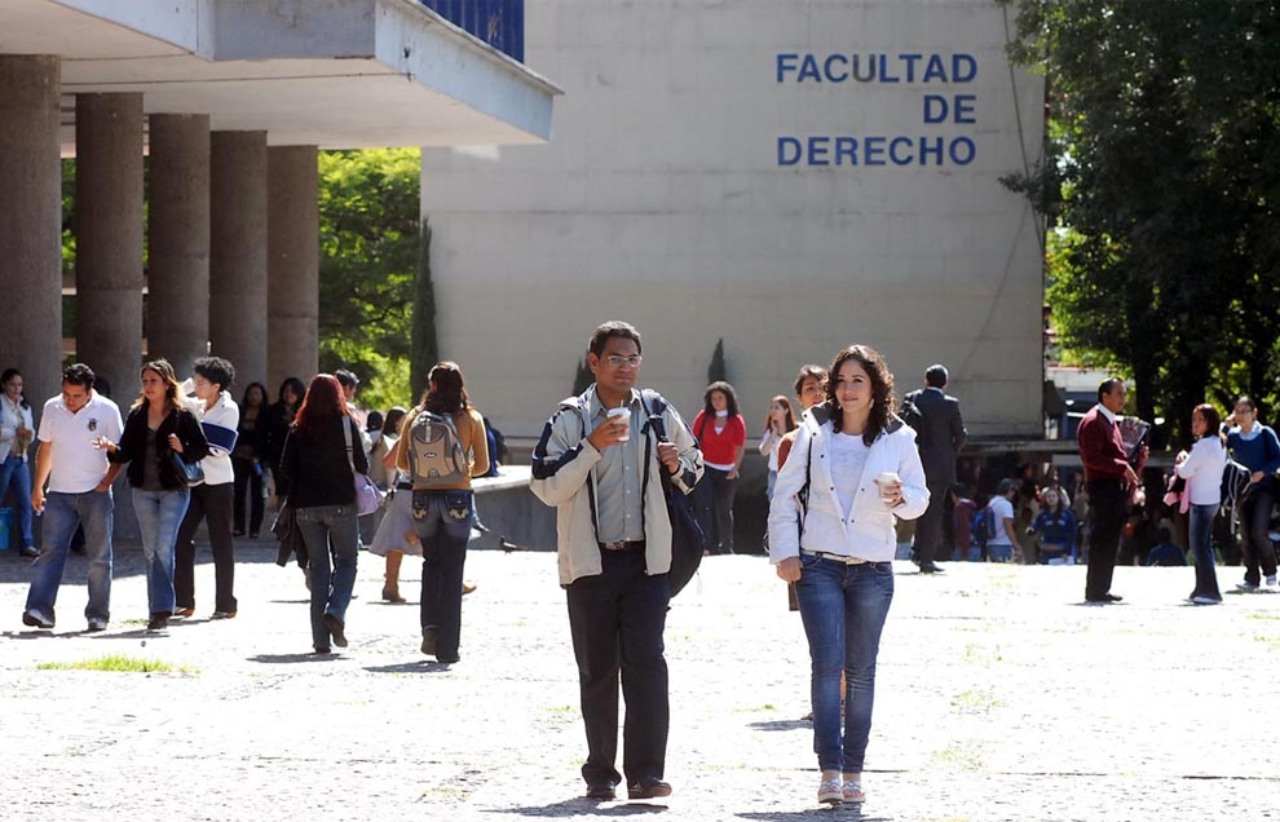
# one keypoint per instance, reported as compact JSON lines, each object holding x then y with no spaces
{"x":780,"y":422}
{"x":722,"y":437}
{"x":1255,"y":446}
{"x":1202,"y":469}
{"x":247,"y":460}
{"x":17,"y":429}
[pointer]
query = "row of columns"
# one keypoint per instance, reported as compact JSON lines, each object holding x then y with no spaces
{"x":232,"y":240}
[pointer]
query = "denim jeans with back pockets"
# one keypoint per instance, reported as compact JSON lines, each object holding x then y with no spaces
{"x":443,"y":520}
{"x":63,"y":513}
{"x":329,"y":532}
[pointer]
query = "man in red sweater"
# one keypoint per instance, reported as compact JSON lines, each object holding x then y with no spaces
{"x":1109,"y":479}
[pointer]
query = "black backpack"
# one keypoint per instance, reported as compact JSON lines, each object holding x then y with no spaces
{"x":687,"y":538}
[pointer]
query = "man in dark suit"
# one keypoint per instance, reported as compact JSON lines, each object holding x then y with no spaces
{"x":940,"y":435}
{"x":1109,"y":477}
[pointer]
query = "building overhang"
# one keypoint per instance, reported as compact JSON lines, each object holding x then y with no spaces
{"x":329,"y":73}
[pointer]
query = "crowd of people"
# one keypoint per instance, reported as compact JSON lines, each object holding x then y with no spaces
{"x":617,"y":462}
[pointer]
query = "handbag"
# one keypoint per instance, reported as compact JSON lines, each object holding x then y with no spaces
{"x":191,"y":473}
{"x":688,"y":540}
{"x":368,"y":497}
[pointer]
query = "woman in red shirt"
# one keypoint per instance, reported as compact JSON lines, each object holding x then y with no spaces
{"x":722,"y":435}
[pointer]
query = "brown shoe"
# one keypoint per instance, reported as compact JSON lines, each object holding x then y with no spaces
{"x":183,"y":612}
{"x":224,"y":615}
{"x":468,"y":588}
{"x":391,"y":593}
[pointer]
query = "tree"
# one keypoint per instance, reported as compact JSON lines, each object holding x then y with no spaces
{"x":583,"y":378}
{"x":369,"y":263}
{"x":716,"y":372}
{"x":1161,"y":178}
{"x":426,"y":346}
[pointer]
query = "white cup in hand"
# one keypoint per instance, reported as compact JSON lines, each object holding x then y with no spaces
{"x":622,"y":415}
{"x":890,"y":484}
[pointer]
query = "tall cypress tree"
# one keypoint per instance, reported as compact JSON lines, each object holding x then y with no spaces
{"x":425,"y":345}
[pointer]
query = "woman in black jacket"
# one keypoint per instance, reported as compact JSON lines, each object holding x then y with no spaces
{"x":158,"y":427}
{"x":322,"y":447}
{"x":274,"y":428}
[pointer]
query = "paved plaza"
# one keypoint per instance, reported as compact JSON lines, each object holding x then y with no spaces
{"x":1000,"y":697}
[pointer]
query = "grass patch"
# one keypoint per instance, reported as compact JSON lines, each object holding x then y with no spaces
{"x":961,"y":756}
{"x":1272,"y":642}
{"x":975,"y":654}
{"x":1262,"y":615}
{"x":976,"y":702}
{"x":117,"y":663}
{"x":766,"y":707}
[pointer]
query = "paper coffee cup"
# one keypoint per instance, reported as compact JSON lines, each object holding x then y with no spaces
{"x":625,"y":415}
{"x":886,"y":481}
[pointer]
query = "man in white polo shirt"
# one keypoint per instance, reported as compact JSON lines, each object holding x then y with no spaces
{"x":79,"y":478}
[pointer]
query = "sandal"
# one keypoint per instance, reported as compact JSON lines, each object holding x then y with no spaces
{"x":829,"y":792}
{"x":852,"y":792}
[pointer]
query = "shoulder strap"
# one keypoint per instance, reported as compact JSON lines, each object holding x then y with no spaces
{"x":346,"y":435}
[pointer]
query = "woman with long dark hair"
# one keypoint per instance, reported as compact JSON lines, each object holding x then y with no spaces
{"x":442,"y":446}
{"x":1256,"y":447}
{"x":275,"y":429}
{"x":780,"y":421}
{"x":1202,"y":469}
{"x":247,"y":460}
{"x":158,"y":426}
{"x":853,"y":469}
{"x":1055,"y":526}
{"x":17,"y":430}
{"x":722,"y":436}
{"x":319,"y":453}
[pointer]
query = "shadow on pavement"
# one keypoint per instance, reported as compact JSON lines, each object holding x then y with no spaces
{"x":424,"y":666}
{"x":288,"y":659}
{"x":573,"y":807}
{"x":833,"y":812}
{"x":781,"y":725}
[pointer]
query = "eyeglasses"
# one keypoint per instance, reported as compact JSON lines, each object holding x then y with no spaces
{"x":617,"y":360}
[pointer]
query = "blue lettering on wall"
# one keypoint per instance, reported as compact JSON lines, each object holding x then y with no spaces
{"x":843,"y":150}
{"x":882,"y":67}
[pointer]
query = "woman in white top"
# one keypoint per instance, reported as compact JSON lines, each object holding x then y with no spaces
{"x":781,"y":419}
{"x":16,"y":432}
{"x":853,"y":468}
{"x":1202,"y":469}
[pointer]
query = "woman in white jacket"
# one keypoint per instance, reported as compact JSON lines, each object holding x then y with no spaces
{"x":854,"y":467}
{"x":17,"y":430}
{"x":1202,"y":469}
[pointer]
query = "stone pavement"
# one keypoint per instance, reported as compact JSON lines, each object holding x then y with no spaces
{"x":1000,"y":697}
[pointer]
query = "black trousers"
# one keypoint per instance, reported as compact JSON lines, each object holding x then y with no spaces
{"x":248,"y":482}
{"x":1255,"y":542}
{"x":715,"y":495}
{"x":212,"y":503}
{"x":929,"y":526}
{"x":617,"y":620}
{"x":1108,"y":505}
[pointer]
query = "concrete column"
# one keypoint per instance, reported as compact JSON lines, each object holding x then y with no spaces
{"x":31,"y":222}
{"x":178,"y":235}
{"x":238,"y":251}
{"x":293,"y":301}
{"x":109,"y":238}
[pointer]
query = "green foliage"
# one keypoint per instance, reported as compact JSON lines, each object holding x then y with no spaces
{"x":1161,"y":179}
{"x":369,"y":268}
{"x":717,"y":371}
{"x":426,"y":346}
{"x":583,"y":378}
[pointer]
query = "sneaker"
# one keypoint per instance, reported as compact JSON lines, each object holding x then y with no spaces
{"x":1271,"y":581}
{"x":29,"y":551}
{"x":37,"y":619}
{"x":337,"y":629}
{"x":831,"y":792}
{"x":852,"y":792}
{"x":1247,"y":586}
{"x":1206,"y":601}
{"x":97,"y":625}
{"x":429,"y":641}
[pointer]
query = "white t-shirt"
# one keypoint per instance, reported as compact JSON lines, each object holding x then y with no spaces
{"x":848,"y":458}
{"x":1003,"y":510}
{"x":1203,"y":471}
{"x":77,"y":466}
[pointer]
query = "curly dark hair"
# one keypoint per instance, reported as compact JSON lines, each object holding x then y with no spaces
{"x":730,"y":397}
{"x":883,"y":404}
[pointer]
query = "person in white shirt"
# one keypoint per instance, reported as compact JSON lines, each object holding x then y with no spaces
{"x":1004,"y":546}
{"x":853,"y":469}
{"x":16,"y":432}
{"x":778,"y":424}
{"x":1202,"y":469}
{"x":79,"y":478}
{"x":214,"y":499}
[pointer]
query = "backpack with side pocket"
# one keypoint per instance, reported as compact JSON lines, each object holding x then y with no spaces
{"x":436,"y":458}
{"x":982,"y":528}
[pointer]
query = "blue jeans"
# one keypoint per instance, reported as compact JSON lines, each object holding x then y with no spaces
{"x":159,"y":514}
{"x":843,"y":608}
{"x":1000,"y":553}
{"x":329,"y":529}
{"x":443,"y":520}
{"x":63,"y":513}
{"x":14,"y":472}
{"x":1202,"y":545}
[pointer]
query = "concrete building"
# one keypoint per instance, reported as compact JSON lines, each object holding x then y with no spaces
{"x":788,"y":176}
{"x":232,"y":98}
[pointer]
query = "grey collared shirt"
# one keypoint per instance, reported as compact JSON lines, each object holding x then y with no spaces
{"x":617,"y":475}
